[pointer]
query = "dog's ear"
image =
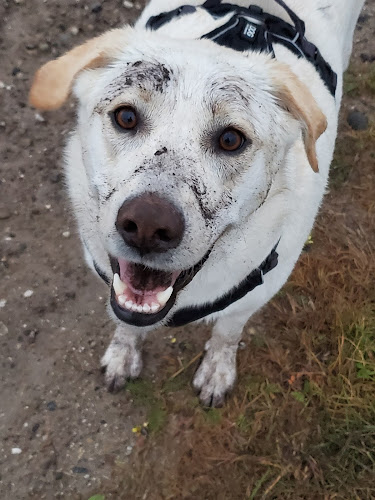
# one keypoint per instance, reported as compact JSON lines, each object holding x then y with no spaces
{"x":53,"y":81}
{"x":295,"y":97}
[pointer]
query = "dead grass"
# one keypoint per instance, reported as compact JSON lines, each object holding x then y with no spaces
{"x":301,"y":422}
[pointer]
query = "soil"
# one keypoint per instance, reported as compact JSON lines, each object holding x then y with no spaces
{"x":61,"y":432}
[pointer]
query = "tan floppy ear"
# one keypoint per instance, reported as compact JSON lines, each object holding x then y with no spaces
{"x":53,"y":81}
{"x":296,"y":98}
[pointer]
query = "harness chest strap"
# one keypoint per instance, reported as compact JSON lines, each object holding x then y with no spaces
{"x":252,"y":280}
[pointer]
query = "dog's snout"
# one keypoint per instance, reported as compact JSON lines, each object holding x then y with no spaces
{"x":150,"y":223}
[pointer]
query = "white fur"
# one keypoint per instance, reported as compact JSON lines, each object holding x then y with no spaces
{"x":265,"y":193}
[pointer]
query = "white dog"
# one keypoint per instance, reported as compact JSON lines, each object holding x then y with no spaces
{"x":199,"y":161}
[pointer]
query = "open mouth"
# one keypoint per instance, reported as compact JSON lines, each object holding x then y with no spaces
{"x":142,"y":296}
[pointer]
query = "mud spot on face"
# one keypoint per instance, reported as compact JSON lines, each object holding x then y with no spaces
{"x":161,"y":151}
{"x":207,"y":213}
{"x":110,"y":194}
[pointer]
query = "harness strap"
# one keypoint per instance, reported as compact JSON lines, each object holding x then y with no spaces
{"x":252,"y":29}
{"x":254,"y":279}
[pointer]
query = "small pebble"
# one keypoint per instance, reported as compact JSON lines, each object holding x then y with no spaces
{"x":35,"y":427}
{"x":16,"y":451}
{"x":51,"y":406}
{"x":357,"y":120}
{"x":28,"y":293}
{"x":4,"y":214}
{"x":74,"y":30}
{"x":2,"y":302}
{"x":80,"y":470}
{"x":39,"y":117}
{"x":127,"y":4}
{"x":44,"y":47}
{"x":3,"y":329}
{"x":96,"y":8}
{"x":66,"y":234}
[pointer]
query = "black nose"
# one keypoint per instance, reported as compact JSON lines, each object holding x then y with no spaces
{"x":150,"y":223}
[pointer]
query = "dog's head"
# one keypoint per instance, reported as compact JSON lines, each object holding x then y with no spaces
{"x":177,"y":141}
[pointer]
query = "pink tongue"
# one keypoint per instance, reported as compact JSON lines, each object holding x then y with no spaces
{"x":143,"y":281}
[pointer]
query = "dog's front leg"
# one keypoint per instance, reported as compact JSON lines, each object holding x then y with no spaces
{"x":216,"y":374}
{"x":123,"y":358}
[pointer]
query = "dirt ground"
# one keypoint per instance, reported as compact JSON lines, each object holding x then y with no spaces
{"x":62,"y":434}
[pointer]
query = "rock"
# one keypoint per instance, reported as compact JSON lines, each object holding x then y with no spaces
{"x":363,"y":18}
{"x":3,"y":329}
{"x":44,"y":47}
{"x":28,"y":293}
{"x":357,"y":120}
{"x":74,"y":30}
{"x":367,"y":57}
{"x":4,"y":213}
{"x":80,"y":470}
{"x":35,"y":427}
{"x":96,"y":8}
{"x":16,"y":451}
{"x":39,"y":118}
{"x":51,"y":406}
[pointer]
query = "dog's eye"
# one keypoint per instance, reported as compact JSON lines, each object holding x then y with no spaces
{"x":231,"y":140}
{"x":125,"y":117}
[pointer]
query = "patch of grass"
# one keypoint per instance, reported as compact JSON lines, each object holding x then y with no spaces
{"x":343,"y":160}
{"x":157,"y":417}
{"x":213,"y":416}
{"x":144,"y":393}
{"x":349,"y":147}
{"x":177,"y":384}
{"x":141,"y":391}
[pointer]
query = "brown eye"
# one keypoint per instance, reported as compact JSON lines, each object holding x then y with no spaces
{"x":126,"y":118}
{"x":231,"y":140}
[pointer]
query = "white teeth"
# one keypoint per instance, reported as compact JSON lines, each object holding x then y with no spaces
{"x":146,"y":308}
{"x":121,"y":299}
{"x":118,"y":286}
{"x":155,"y":307}
{"x":163,"y":297}
{"x":139,"y":309}
{"x":134,"y":307}
{"x":128,"y":304}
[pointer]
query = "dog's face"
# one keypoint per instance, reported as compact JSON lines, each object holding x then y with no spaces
{"x":179,"y":141}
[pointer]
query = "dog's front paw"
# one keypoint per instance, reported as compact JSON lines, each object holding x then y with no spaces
{"x":216,"y":375}
{"x":120,"y":362}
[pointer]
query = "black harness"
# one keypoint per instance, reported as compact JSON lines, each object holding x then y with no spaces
{"x":254,"y":279}
{"x":253,"y":29}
